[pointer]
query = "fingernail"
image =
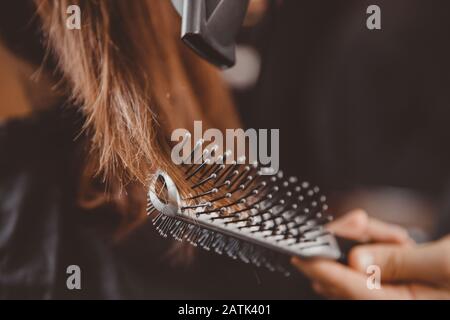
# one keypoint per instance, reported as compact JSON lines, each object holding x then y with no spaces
{"x":317,"y":287}
{"x":365,"y":259}
{"x":295,"y":261}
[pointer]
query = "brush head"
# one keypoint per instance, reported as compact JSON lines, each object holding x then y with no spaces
{"x":235,"y":209}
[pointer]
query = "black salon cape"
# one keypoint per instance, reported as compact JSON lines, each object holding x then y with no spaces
{"x":42,"y":232}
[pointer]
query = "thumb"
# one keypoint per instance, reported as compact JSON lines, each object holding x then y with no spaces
{"x":428,"y":263}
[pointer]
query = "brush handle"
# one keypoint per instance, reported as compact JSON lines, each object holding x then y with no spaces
{"x":346,"y":245}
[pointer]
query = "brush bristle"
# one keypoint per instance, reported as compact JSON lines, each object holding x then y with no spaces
{"x":235,"y":210}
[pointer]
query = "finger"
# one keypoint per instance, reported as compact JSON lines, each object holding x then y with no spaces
{"x":352,"y":225}
{"x":423,"y":292}
{"x":334,"y":280}
{"x":327,"y":291}
{"x":414,"y":291}
{"x":429,"y":262}
{"x":380,"y":231}
{"x":357,"y":225}
{"x":386,"y":292}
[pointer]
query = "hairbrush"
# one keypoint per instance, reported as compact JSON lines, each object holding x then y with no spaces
{"x":232,"y":208}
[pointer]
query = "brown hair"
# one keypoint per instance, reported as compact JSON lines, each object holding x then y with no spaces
{"x":135,"y":81}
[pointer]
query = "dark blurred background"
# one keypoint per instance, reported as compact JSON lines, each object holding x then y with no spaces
{"x":363,"y":113}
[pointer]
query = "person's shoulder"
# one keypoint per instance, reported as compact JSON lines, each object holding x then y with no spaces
{"x":35,"y":179}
